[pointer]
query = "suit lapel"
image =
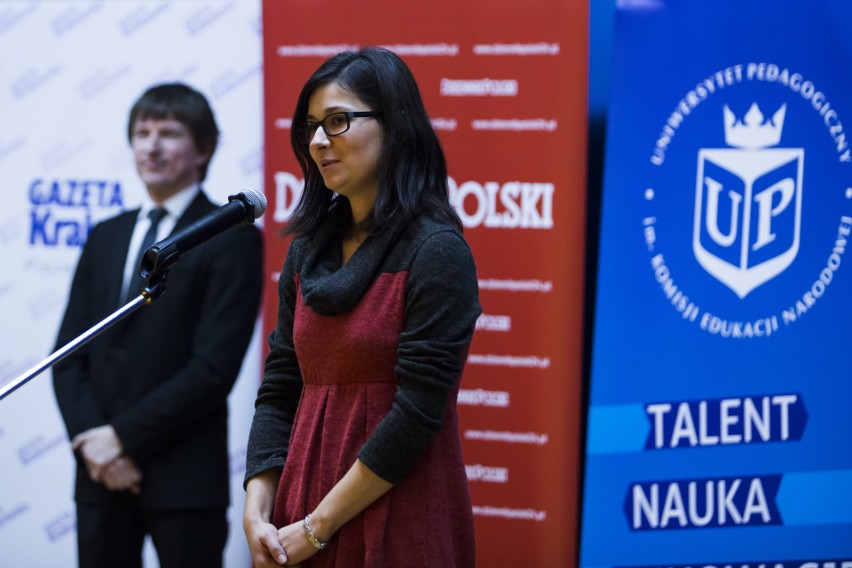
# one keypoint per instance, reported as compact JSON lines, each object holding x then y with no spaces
{"x":199,"y":207}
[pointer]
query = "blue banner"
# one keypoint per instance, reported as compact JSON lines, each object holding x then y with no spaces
{"x":719,"y":431}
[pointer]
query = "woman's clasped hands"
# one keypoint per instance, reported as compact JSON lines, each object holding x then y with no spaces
{"x":271,"y":547}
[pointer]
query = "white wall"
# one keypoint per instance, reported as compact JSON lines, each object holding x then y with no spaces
{"x":69,"y":72}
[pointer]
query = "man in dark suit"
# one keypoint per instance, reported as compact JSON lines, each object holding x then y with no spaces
{"x":145,"y":403}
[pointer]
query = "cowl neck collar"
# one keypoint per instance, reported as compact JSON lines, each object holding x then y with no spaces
{"x":330,"y":287}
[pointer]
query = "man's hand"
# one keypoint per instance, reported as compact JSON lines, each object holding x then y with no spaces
{"x":98,"y":446}
{"x":122,"y":474}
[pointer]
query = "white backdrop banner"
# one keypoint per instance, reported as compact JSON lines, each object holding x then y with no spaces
{"x":68,"y":75}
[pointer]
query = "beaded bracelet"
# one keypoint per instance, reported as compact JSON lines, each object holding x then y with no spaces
{"x":309,"y":534}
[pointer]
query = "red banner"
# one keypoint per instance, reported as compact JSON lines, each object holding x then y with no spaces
{"x":505,"y":84}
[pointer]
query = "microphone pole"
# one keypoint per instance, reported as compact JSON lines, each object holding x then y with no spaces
{"x":254,"y":204}
{"x":148,"y":295}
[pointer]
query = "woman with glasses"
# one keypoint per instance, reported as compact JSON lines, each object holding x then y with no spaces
{"x":354,"y":457}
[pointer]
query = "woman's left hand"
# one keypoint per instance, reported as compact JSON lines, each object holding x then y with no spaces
{"x":298,"y":547}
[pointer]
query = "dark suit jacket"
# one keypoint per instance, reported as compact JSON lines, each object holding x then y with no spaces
{"x":162,"y":376}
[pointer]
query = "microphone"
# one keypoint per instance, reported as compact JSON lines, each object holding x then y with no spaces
{"x":241,"y":209}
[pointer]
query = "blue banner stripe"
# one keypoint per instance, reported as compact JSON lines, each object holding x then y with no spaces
{"x":816,"y":497}
{"x":617,"y":428}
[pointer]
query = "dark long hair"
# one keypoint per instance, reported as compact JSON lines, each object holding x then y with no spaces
{"x":184,"y":104}
{"x":412,"y":177}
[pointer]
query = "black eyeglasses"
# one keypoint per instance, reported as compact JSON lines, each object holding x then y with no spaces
{"x":334,"y":124}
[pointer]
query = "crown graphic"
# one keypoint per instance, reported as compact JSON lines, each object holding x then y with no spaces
{"x":754,"y":131}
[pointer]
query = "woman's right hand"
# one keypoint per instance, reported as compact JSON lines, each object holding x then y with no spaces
{"x":266,"y":551}
{"x":261,"y":534}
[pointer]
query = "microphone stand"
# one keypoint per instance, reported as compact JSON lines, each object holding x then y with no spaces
{"x":155,"y":288}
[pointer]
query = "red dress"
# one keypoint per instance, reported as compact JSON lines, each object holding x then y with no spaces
{"x":347,"y":362}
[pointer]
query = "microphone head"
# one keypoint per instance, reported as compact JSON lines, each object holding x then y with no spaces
{"x":254,"y":199}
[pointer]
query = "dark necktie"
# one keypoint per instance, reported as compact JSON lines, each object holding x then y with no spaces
{"x":137,"y":283}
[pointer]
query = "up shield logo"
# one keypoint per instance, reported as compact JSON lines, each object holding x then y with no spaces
{"x":748,"y":202}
